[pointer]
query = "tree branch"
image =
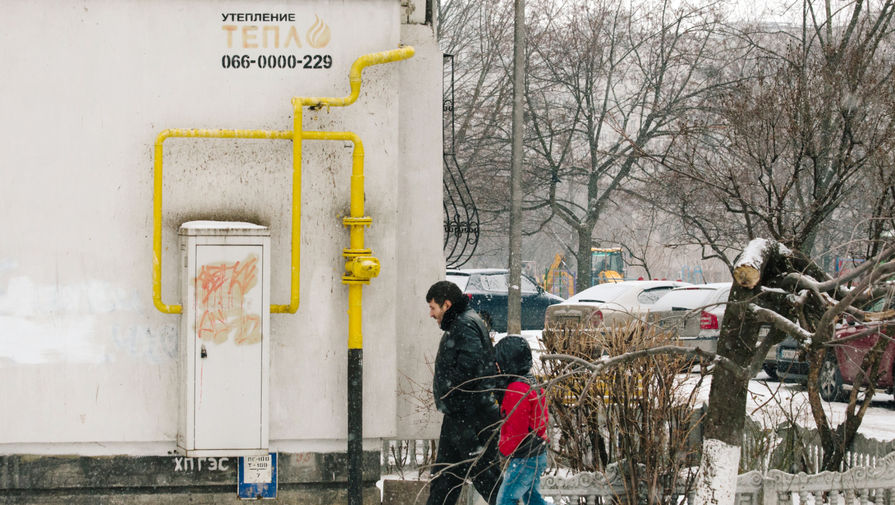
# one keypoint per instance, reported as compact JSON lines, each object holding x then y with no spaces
{"x":607,"y":363}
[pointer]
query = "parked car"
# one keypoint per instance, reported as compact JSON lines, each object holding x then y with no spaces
{"x":770,"y":359}
{"x":851,"y":352}
{"x":693,"y":314}
{"x":791,"y":364}
{"x":844,"y":360}
{"x":488,"y":289}
{"x":609,"y":304}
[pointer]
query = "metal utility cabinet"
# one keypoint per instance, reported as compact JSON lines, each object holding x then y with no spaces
{"x":224,"y":339}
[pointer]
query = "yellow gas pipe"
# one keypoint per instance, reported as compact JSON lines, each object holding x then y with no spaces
{"x":157,"y":208}
{"x":364,"y":268}
{"x":360,"y":266}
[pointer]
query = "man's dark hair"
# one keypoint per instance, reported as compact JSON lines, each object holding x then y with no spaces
{"x":445,"y":290}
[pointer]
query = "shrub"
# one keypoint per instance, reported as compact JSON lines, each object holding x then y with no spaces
{"x":640,"y":416}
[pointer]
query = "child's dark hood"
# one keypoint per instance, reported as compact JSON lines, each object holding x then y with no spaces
{"x":513,"y":355}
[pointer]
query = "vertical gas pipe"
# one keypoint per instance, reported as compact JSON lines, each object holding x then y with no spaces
{"x":360,"y":265}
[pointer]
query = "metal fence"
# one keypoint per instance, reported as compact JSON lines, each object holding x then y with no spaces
{"x":796,"y":449}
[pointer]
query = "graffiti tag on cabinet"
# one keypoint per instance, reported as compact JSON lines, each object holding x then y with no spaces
{"x":223,"y":311}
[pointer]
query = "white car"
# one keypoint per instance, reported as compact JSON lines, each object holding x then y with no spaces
{"x":693,"y":313}
{"x":609,"y":304}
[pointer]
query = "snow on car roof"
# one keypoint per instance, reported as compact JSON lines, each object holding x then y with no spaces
{"x":460,"y":277}
{"x":610,"y":291}
{"x":470,"y":271}
{"x":690,"y":297}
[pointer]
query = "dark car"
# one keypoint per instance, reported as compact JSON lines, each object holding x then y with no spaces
{"x":791,"y":364}
{"x":488,"y":289}
{"x":844,"y":360}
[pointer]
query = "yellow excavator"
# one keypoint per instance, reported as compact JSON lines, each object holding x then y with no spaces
{"x":607,"y":265}
{"x":559,"y":280}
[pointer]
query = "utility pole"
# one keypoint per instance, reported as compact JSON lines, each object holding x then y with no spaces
{"x":514,"y":299}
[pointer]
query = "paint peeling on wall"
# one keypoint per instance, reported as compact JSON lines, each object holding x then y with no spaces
{"x":68,"y":339}
{"x":150,"y":345}
{"x":26,"y":299}
{"x":77,"y":323}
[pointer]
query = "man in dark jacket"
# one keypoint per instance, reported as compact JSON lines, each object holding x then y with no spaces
{"x":464,"y":383}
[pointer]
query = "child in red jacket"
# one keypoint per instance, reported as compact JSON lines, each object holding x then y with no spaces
{"x":523,"y":433}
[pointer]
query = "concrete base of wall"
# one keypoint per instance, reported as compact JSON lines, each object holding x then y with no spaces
{"x":310,"y":496}
{"x":305,"y":478}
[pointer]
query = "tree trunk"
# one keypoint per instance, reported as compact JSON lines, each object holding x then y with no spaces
{"x":514,"y":298}
{"x":583,"y":281}
{"x":726,"y":413}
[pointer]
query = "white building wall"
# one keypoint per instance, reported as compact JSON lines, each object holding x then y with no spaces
{"x":86,"y":362}
{"x":416,"y":414}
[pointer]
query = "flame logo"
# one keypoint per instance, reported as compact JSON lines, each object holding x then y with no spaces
{"x":318,"y":34}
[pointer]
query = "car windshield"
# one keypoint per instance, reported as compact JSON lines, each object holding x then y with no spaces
{"x":601,"y":293}
{"x":495,"y":282}
{"x":650,"y":296}
{"x":687,"y":298}
{"x":528,"y":286}
{"x":460,"y":280}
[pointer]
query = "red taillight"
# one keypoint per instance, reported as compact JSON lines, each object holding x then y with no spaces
{"x":469,"y":295}
{"x":708,"y":321}
{"x":596,"y":318}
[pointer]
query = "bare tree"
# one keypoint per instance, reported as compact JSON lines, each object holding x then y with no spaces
{"x":809,"y":123}
{"x":881,"y":220}
{"x":638,"y":421}
{"x":773,"y":284}
{"x":608,"y":84}
{"x":478,"y":35}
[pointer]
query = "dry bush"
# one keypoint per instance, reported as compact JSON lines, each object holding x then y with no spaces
{"x":639,"y":416}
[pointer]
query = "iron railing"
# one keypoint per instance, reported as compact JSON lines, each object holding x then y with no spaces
{"x":461,"y":217}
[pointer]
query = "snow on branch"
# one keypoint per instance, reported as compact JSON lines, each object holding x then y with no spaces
{"x":747,"y":270}
{"x":781,"y":323}
{"x":870,"y":329}
{"x":876,"y":266}
{"x":865,"y":285}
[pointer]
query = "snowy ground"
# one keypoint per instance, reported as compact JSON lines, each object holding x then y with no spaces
{"x":773,"y":396}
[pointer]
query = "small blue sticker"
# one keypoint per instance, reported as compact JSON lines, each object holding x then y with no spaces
{"x":257,"y":477}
